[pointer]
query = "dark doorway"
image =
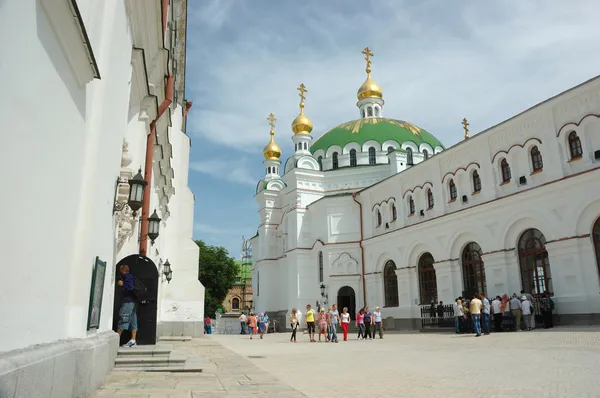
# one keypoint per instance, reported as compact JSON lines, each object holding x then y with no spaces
{"x":347,"y":298}
{"x":144,"y":269}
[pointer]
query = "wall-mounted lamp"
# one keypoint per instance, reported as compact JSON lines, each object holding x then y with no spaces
{"x":153,"y":227}
{"x":167,"y":272}
{"x":324,"y":295}
{"x":136,"y":193}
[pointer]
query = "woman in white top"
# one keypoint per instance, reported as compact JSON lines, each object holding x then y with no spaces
{"x":377,"y":322}
{"x":526,"y":310}
{"x":345,"y":322}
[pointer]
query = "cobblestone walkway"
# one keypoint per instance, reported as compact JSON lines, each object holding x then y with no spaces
{"x":225,"y":374}
{"x":561,"y":362}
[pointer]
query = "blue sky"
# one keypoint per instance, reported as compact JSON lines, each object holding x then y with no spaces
{"x":436,"y":61}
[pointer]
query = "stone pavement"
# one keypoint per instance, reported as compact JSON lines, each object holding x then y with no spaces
{"x":225,"y":374}
{"x":560,"y":362}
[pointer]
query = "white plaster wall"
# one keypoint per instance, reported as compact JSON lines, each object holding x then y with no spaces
{"x":183,"y":298}
{"x":58,"y":216}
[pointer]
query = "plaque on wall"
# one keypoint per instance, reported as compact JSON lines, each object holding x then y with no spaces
{"x":96,"y":293}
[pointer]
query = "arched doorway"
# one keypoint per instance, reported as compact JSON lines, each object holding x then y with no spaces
{"x":347,"y":298}
{"x":473,"y":270}
{"x":145,"y":270}
{"x":390,"y":284}
{"x":533,"y":261}
{"x":427,"y":279}
{"x":596,"y":241}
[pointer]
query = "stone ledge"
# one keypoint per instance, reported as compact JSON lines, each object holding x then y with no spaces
{"x":66,"y":368}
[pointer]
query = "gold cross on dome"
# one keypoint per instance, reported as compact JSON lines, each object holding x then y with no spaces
{"x":368,"y":54}
{"x":301,"y":91}
{"x":272,"y":120}
{"x":465,"y":124}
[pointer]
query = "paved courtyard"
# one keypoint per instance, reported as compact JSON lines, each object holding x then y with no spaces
{"x":562,"y":362}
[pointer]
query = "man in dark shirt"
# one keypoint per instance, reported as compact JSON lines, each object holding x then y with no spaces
{"x":127,"y":314}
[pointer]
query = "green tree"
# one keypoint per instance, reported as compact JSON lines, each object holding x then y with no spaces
{"x":217,"y":272}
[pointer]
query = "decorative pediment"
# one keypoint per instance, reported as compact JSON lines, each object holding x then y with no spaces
{"x":345,"y":264}
{"x":307,"y":162}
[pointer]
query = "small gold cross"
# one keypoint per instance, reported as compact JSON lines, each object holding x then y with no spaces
{"x":465,"y":124}
{"x":272,"y":120}
{"x":368,"y":54}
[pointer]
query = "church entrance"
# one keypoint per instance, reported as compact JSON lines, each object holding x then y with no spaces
{"x":347,"y":298}
{"x":145,"y":270}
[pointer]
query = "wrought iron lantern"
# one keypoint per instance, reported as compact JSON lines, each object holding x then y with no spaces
{"x":324,"y":295}
{"x":136,"y":193}
{"x":153,"y":227}
{"x":167,"y":272}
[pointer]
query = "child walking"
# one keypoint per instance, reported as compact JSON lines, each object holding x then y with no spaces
{"x":294,"y":324}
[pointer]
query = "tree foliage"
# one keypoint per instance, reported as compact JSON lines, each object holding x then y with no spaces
{"x":217,"y":272}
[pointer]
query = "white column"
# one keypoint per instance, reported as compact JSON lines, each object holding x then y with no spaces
{"x":408,"y":293}
{"x":574,"y":276}
{"x":375,"y":290}
{"x":502,"y":273}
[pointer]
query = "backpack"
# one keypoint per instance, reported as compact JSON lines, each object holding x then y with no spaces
{"x":140,"y":291}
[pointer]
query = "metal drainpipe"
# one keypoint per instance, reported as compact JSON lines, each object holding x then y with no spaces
{"x":362,"y":249}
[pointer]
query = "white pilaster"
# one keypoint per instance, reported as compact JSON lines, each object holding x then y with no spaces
{"x":502,"y":273}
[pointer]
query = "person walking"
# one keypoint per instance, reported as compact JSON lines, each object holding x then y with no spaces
{"x":251,"y":325}
{"x":345,"y":322}
{"x":310,"y":322}
{"x":360,"y":323}
{"x":476,"y":314}
{"x":322,"y":318}
{"x":458,"y":315}
{"x":377,"y":322}
{"x":294,"y":325}
{"x":368,"y":319}
{"x":334,"y":319}
{"x":262,"y":325}
{"x":243,"y":320}
{"x":127,"y":311}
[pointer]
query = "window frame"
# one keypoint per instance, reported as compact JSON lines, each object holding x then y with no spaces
{"x":335,"y":162}
{"x":409,"y":157}
{"x":452,"y":190}
{"x":505,"y":171}
{"x":476,"y":179}
{"x":411,"y":206}
{"x":372,"y":156}
{"x":390,"y":285}
{"x":537,"y":162}
{"x":430,"y":199}
{"x":575,"y":147}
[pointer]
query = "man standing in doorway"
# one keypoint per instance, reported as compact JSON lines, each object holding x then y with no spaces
{"x":127,"y":313}
{"x":334,"y":317}
{"x":310,"y":323}
{"x":476,"y":314}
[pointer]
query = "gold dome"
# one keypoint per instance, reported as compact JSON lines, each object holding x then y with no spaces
{"x":369,"y":89}
{"x":272,"y":150}
{"x":302,"y":124}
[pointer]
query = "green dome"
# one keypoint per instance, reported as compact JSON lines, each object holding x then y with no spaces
{"x":377,"y":129}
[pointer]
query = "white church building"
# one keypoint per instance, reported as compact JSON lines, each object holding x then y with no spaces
{"x":377,"y":212}
{"x":94,"y":169}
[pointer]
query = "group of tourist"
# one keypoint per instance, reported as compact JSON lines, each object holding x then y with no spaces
{"x":254,"y":324}
{"x":327,"y":321}
{"x":507,"y":313}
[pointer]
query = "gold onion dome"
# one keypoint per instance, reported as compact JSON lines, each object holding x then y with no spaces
{"x":302,"y":124}
{"x":369,"y":88}
{"x":272,"y":150}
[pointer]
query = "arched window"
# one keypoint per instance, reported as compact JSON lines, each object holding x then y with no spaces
{"x":505,"y":170}
{"x":425,"y":154}
{"x":409,"y":157}
{"x":476,"y":182}
{"x":596,"y":240}
{"x":390,"y":284}
{"x":394,"y":213}
{"x":369,"y":111}
{"x":429,"y":199}
{"x":352,"y":157}
{"x":452,"y":190}
{"x":390,"y":149}
{"x":534,"y":263}
{"x":372,"y":157}
{"x":379,"y":219}
{"x":427,"y":280}
{"x":411,"y":206}
{"x":320,"y":266}
{"x":363,"y":113}
{"x":473,"y":270}
{"x":334,"y":160}
{"x":536,"y":159}
{"x":235,"y":304}
{"x":320,"y":161}
{"x":575,"y":145}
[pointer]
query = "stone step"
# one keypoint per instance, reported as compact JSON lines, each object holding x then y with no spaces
{"x":170,"y":369}
{"x":175,"y":338}
{"x":153,"y":351}
{"x":138,"y":361}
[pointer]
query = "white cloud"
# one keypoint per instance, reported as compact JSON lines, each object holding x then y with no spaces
{"x":233,"y":171}
{"x":436,"y":61}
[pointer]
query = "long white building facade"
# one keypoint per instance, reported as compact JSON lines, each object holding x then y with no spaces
{"x":378,"y":212}
{"x":94,"y":97}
